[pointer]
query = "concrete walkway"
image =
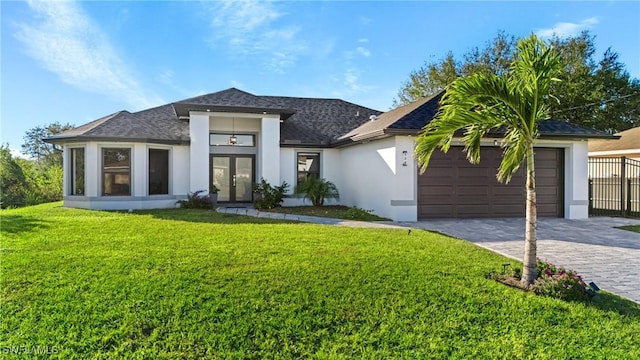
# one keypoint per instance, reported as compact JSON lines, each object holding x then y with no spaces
{"x":594,"y":248}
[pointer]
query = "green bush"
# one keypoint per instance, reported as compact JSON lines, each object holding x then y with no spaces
{"x":269,"y":196}
{"x":195,"y":200}
{"x":316,"y":190}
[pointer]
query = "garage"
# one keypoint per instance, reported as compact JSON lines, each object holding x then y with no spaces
{"x":453,"y":188}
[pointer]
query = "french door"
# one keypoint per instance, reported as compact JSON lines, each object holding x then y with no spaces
{"x":234,"y":176}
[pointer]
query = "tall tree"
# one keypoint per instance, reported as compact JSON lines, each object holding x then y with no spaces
{"x":598,"y":94}
{"x":13,"y":184}
{"x":515,"y":102}
{"x":44,"y":153}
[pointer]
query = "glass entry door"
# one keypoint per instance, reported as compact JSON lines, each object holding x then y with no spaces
{"x":234,"y":176}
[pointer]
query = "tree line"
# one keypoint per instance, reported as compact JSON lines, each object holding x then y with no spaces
{"x":594,"y":92}
{"x":37,"y":178}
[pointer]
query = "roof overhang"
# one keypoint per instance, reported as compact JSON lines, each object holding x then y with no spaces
{"x":182,"y":110}
{"x":82,"y":139}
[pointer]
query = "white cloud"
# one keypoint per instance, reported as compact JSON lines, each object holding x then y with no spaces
{"x":249,"y":29}
{"x":567,"y":29}
{"x":363,"y":40}
{"x":66,"y":42}
{"x":237,"y":84}
{"x":363,"y":51}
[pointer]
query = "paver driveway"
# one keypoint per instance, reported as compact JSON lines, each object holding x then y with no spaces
{"x":594,"y":247}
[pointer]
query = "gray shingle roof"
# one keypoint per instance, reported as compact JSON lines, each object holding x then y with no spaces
{"x":411,"y":118}
{"x":309,"y":121}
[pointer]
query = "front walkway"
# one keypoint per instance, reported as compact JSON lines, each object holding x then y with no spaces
{"x":594,"y":248}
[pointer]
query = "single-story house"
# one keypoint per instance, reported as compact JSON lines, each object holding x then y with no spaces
{"x":628,"y":145}
{"x":153,"y":157}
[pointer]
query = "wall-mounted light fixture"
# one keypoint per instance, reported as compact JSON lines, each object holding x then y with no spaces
{"x":495,"y":142}
{"x":233,"y":139}
{"x":404,"y":158}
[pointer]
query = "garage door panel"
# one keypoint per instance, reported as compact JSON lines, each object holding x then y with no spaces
{"x":456,"y":188}
{"x":472,"y":190}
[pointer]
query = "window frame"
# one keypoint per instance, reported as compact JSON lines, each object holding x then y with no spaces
{"x":102,"y":170}
{"x":227,"y":135}
{"x":168,"y":170}
{"x":308,"y":153}
{"x":72,"y":171}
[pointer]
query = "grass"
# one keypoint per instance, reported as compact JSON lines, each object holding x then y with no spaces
{"x":331,"y":211}
{"x":634,"y":228}
{"x":193,"y":284}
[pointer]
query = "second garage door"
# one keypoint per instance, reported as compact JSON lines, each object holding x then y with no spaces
{"x":453,"y":188}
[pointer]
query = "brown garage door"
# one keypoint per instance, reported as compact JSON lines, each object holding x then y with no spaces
{"x":452,"y":187}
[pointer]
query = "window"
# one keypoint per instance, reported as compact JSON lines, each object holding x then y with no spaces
{"x":77,"y":171}
{"x":158,"y":172}
{"x":308,"y":165}
{"x":116,"y":171}
{"x":225,"y":140}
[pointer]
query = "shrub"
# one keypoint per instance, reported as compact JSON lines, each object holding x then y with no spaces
{"x":270,"y":196}
{"x":195,"y":200}
{"x":560,"y":283}
{"x":316,"y":190}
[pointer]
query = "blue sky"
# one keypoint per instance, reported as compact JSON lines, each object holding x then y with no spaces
{"x":77,"y":61}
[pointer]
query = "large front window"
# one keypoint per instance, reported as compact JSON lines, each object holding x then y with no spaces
{"x":77,"y":171}
{"x":116,"y":171}
{"x":308,"y":165}
{"x":158,"y":172}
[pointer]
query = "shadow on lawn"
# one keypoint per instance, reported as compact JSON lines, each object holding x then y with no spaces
{"x":609,"y":302}
{"x":208,"y":216}
{"x":16,"y":224}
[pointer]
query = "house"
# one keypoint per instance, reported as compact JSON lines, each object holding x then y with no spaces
{"x":628,"y":145}
{"x":153,"y":157}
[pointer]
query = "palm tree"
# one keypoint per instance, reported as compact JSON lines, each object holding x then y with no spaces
{"x":513,"y":103}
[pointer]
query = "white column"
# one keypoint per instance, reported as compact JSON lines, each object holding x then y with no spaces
{"x":199,"y":152}
{"x":577,"y":181}
{"x":270,"y":150}
{"x":92,"y":163}
{"x":139,"y":169}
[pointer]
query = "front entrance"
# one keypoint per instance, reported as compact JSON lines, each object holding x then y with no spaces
{"x":234,"y":176}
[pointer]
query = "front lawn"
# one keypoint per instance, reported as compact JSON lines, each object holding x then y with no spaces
{"x":635,"y":228}
{"x":191,"y":284}
{"x":331,"y":211}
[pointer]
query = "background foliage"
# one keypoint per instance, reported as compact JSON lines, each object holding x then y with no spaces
{"x":597,"y":93}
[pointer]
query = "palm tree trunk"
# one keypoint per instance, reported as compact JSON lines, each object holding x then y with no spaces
{"x":530,"y":271}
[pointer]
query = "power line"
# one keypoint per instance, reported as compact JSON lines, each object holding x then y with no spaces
{"x":595,"y":103}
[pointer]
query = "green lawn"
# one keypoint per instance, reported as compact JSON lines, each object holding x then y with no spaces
{"x":331,"y":211}
{"x":193,"y":283}
{"x":635,"y":228}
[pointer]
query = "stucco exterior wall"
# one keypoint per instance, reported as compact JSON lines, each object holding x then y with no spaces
{"x":139,"y":199}
{"x":374,"y":177}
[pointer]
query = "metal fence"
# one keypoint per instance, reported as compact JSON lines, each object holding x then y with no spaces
{"x":614,"y":187}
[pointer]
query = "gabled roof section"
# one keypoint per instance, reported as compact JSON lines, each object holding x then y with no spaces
{"x":410,"y":119}
{"x":230,"y":100}
{"x":629,"y":140}
{"x":155,"y":125}
{"x":319,"y":122}
{"x":413,"y":117}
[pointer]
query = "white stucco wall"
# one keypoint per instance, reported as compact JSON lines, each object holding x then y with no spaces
{"x":269,"y":150}
{"x":199,"y":151}
{"x":139,"y":199}
{"x":374,"y":178}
